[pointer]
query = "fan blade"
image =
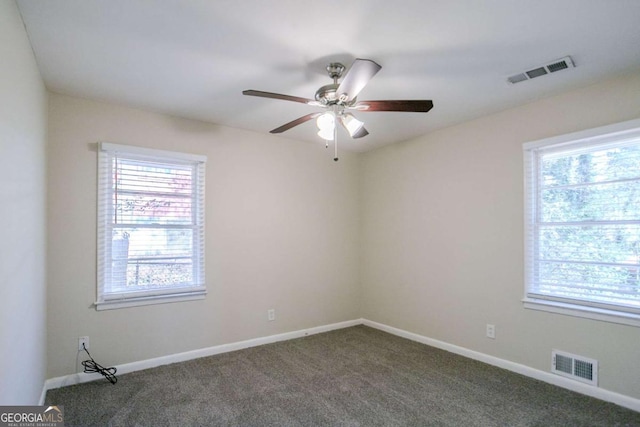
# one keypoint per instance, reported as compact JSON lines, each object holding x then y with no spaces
{"x":361,"y":71}
{"x":414,"y":106}
{"x":279,"y":96}
{"x":295,"y":122}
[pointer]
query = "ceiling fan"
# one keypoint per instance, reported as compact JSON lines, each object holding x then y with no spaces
{"x":339,"y":98}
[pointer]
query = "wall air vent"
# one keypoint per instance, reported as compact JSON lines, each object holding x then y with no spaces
{"x":542,"y":70}
{"x":575,"y":367}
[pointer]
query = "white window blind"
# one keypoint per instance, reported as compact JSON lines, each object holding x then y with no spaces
{"x":150,"y":226}
{"x":583,"y":221}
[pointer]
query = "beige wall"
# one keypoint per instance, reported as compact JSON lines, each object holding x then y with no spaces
{"x":442,"y":227}
{"x":426,"y":236}
{"x":23,"y":120}
{"x":281,"y":232}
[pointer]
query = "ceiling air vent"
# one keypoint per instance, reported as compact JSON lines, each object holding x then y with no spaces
{"x":551,"y":67}
{"x":575,"y":367}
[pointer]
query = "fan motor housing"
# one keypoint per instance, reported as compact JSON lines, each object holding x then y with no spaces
{"x":327,"y":94}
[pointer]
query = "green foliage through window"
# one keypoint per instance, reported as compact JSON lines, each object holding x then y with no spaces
{"x":586,"y":224}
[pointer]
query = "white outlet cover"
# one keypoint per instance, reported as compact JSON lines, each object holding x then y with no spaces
{"x":85,"y":341}
{"x":491,"y":331}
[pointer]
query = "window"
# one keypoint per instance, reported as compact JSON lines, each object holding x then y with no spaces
{"x":583,"y":224}
{"x":150,"y":226}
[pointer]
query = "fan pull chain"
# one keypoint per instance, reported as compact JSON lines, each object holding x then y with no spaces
{"x":335,"y":133}
{"x":335,"y":142}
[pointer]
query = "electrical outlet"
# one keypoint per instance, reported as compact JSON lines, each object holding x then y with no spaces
{"x":81,"y":341}
{"x":491,"y":331}
{"x":271,"y":314}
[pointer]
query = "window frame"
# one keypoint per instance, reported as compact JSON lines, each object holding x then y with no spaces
{"x":588,"y":138}
{"x":107,"y":299}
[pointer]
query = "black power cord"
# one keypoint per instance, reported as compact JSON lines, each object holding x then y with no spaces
{"x":91,"y":366}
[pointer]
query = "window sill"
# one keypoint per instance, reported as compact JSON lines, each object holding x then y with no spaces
{"x":148,"y":300}
{"x":582,"y":311}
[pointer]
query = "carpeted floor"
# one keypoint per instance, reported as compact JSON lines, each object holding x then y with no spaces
{"x":357,"y":376}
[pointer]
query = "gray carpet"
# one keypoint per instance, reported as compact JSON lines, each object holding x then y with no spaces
{"x":357,"y":376}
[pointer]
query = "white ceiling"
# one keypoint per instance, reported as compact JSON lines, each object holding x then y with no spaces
{"x":193,"y":58}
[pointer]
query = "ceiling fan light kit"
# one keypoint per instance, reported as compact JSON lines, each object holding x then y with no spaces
{"x":326,"y":123}
{"x":337,"y":98}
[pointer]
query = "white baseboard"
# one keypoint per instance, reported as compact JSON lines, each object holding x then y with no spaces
{"x":548,"y":377}
{"x":126,"y":368}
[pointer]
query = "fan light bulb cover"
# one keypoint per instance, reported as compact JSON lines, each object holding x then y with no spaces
{"x":326,"y":121}
{"x":352,"y":124}
{"x":326,"y":134}
{"x":326,"y":124}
